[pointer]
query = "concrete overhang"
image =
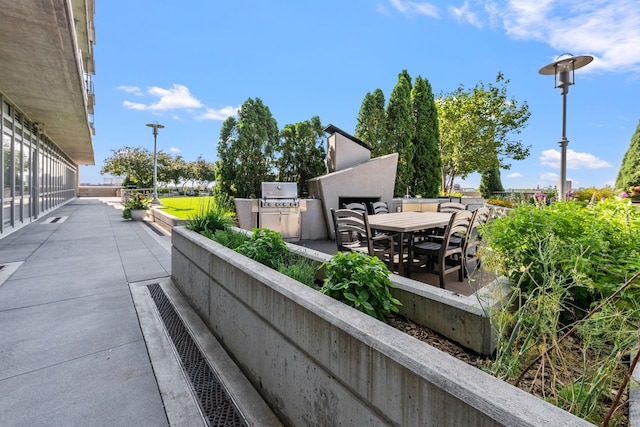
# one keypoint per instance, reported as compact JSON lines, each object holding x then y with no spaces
{"x":42,"y":44}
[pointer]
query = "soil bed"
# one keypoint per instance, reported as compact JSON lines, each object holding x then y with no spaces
{"x":529,"y":383}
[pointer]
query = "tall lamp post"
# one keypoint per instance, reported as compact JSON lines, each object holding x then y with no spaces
{"x":563,"y":69}
{"x":155,"y":126}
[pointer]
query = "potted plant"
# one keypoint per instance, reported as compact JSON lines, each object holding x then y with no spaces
{"x":136,"y":207}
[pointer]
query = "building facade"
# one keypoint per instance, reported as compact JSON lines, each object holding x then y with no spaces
{"x":47,"y":101}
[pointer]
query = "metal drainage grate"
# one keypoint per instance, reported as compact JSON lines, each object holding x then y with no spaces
{"x":55,"y":220}
{"x":214,"y":400}
{"x":154,"y":228}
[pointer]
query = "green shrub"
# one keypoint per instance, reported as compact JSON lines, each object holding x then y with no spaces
{"x":500,"y":202}
{"x":598,"y":246}
{"x":210,"y":217}
{"x":299,"y":268}
{"x":362,"y":282}
{"x":265,"y":246}
{"x":592,"y":194}
{"x":229,"y":238}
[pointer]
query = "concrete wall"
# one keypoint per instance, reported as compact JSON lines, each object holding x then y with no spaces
{"x":165,"y":220}
{"x":98,"y":191}
{"x":374,"y":178}
{"x":343,"y":152}
{"x":318,"y":362}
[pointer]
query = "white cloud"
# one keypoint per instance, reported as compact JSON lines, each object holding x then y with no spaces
{"x":135,"y":90}
{"x":221,"y":114}
{"x":176,"y":97}
{"x":464,"y":14}
{"x":575,"y":160}
{"x":134,"y":105}
{"x":414,"y":8}
{"x":607,"y":29}
{"x":515,"y":175}
{"x":175,"y":150}
{"x":549,"y":177}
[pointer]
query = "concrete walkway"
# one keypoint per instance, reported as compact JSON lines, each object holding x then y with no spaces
{"x":71,"y":349}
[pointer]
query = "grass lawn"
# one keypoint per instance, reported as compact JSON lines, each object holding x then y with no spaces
{"x":184,"y":207}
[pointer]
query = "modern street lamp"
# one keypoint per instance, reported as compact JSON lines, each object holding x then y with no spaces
{"x":563,"y":69}
{"x":155,"y":126}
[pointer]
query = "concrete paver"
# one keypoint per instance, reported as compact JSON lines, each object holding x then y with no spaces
{"x":71,"y":348}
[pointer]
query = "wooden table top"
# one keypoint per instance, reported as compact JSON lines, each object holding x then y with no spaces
{"x":406,"y":222}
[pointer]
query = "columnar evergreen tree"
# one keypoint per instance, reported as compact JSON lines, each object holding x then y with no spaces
{"x":371,"y":126}
{"x":427,"y":164}
{"x":629,"y":174}
{"x":302,"y":153}
{"x":400,"y":130}
{"x":490,"y":183}
{"x":246,"y":150}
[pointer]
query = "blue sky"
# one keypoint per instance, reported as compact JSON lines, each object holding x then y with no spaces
{"x":190,"y":66}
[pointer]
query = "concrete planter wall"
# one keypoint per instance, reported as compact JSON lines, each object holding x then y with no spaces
{"x":318,"y":362}
{"x":166,"y":220}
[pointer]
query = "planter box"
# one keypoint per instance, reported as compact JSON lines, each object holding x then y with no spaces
{"x":317,"y":361}
{"x":165,"y":220}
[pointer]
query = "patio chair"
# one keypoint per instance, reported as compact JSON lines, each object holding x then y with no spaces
{"x":447,"y":207}
{"x":474,"y":239}
{"x":379,"y":208}
{"x":451,"y":207}
{"x":349,"y":223}
{"x":447,"y":254}
{"x":355,"y":206}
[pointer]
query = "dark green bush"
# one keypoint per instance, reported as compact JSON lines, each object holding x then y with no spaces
{"x":265,"y":246}
{"x":362,"y":282}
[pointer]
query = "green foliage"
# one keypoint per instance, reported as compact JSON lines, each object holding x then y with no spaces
{"x":362,"y":282}
{"x":210,"y":217}
{"x":475,"y":128}
{"x":137,"y":201}
{"x":400,"y":132}
{"x":490,"y":183}
{"x":134,"y":164}
{"x":265,"y":246}
{"x":372,"y":118}
{"x":301,"y":153}
{"x":598,"y":246}
{"x":629,"y":174}
{"x":246,"y":150}
{"x":592,"y":194}
{"x":427,"y":163}
{"x":567,"y":258}
{"x":299,"y":268}
{"x":500,"y":202}
{"x":227,"y":237}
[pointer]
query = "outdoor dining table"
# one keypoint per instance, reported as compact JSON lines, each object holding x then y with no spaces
{"x":405,"y":224}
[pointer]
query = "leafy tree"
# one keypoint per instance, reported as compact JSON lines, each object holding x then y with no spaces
{"x":246,"y":150}
{"x":426,"y":162}
{"x":400,"y":130}
{"x":475,"y":126}
{"x":371,"y":126}
{"x":204,"y":171}
{"x":629,"y":174}
{"x":134,"y":164}
{"x":490,"y":183}
{"x":176,"y":171}
{"x":302,"y":153}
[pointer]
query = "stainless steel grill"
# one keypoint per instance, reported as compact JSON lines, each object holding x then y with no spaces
{"x":279,"y":209}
